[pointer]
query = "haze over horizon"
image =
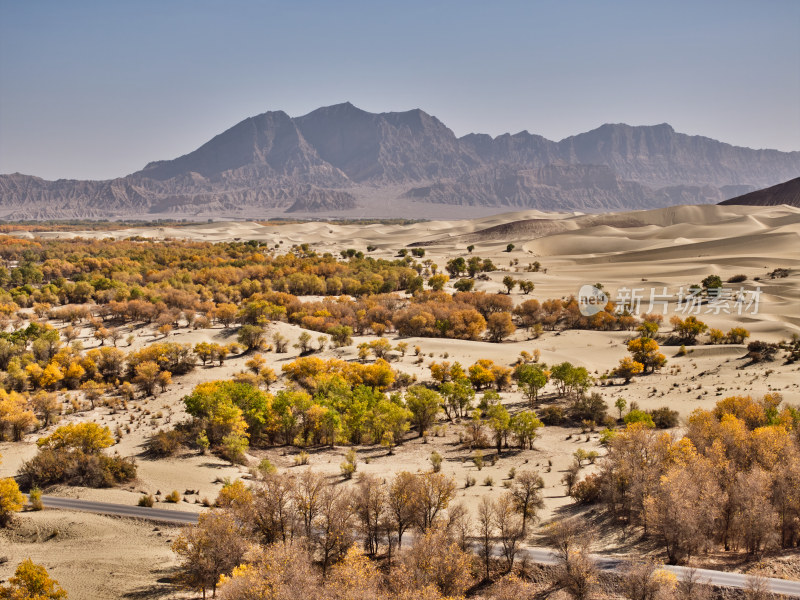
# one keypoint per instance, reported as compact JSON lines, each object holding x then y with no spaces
{"x":98,"y":90}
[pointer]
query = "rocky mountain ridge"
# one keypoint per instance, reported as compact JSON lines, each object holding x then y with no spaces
{"x":337,"y":159}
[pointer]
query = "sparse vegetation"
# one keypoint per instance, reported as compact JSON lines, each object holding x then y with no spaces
{"x":65,"y":306}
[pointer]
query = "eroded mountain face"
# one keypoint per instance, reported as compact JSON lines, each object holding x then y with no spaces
{"x":333,"y":158}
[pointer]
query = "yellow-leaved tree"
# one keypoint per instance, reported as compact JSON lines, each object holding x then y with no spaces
{"x":645,"y":351}
{"x":16,"y":417}
{"x":11,"y":500}
{"x":31,"y":582}
{"x":627,"y":368}
{"x":87,"y":437}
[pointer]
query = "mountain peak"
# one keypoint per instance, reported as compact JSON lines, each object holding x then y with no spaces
{"x":340,"y":109}
{"x":270,"y":114}
{"x":614,"y":128}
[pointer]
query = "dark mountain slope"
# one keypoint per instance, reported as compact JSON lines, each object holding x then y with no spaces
{"x":385,"y":147}
{"x":658,"y":156}
{"x":783,"y":193}
{"x":269,"y":145}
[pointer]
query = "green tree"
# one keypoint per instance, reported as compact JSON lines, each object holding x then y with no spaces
{"x":510,"y":283}
{"x":458,"y":396}
{"x":456,"y":266}
{"x":648,"y":329}
{"x":570,"y":379}
{"x":500,"y":424}
{"x":341,"y":335}
{"x":436,"y":282}
{"x":525,"y":427}
{"x":464,"y":285}
{"x":531,"y":379}
{"x":639,"y":416}
{"x":303,"y":342}
{"x":252,"y":337}
{"x":214,"y":404}
{"x":424,"y":405}
{"x":620,"y":403}
{"x":389,"y":423}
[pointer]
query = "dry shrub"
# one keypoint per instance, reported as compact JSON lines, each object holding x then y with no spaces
{"x":588,"y":490}
{"x":511,"y":587}
{"x":643,"y":581}
{"x":279,"y":572}
{"x":74,"y":467}
{"x":434,"y":560}
{"x":164,"y":443}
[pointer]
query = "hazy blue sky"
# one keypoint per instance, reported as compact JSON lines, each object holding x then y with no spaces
{"x":95,"y":89}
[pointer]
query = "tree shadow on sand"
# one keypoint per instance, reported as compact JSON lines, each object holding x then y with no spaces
{"x":164,"y":587}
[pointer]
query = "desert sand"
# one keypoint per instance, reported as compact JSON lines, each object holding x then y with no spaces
{"x":666,"y":248}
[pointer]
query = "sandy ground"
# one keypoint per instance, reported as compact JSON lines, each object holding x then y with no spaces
{"x":93,"y":556}
{"x":670,"y":248}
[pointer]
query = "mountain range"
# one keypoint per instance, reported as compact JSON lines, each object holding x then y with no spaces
{"x":341,"y":160}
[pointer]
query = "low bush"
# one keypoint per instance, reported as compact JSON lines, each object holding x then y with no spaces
{"x":35,"y":499}
{"x":588,"y":408}
{"x":164,"y":443}
{"x":639,"y":416}
{"x":477,"y":459}
{"x":588,"y":490}
{"x":350,"y":464}
{"x":760,"y":351}
{"x":436,"y":461}
{"x":75,"y":467}
{"x":664,"y":417}
{"x":552,"y":415}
